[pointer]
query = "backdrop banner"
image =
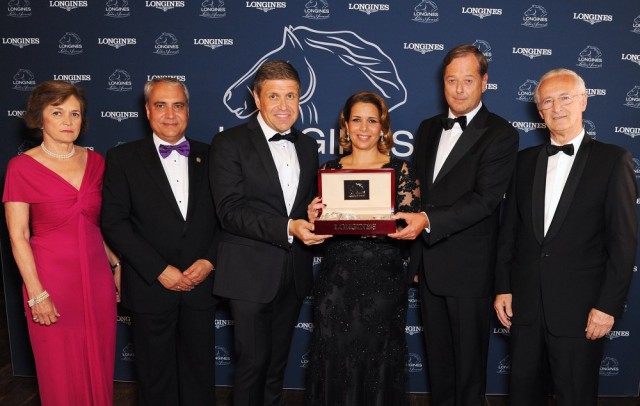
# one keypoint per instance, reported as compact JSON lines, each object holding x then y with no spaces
{"x":112,"y":47}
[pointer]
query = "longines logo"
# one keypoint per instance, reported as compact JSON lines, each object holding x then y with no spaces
{"x":117,"y":8}
{"x":426,"y":12}
{"x":266,"y":6}
{"x":16,"y":113}
{"x":212,"y":43}
{"x":317,"y":261}
{"x":414,"y":363}
{"x":613,"y":334}
{"x":20,"y":42}
{"x":502,"y":330}
{"x":596,"y":92}
{"x":593,"y":18}
{"x":181,"y":78}
{"x":504,"y":366}
{"x":411,"y":330}
{"x":119,"y":116}
{"x":633,"y":98}
{"x":635,"y":58}
{"x":305,"y":326}
{"x":164,"y":5}
{"x":24,"y":80}
{"x":589,"y":128}
{"x":368,"y":8}
{"x":527,"y":126}
{"x":124,"y":320}
{"x":590,"y":57}
{"x":119,"y":81}
{"x":525,"y":90}
{"x":632,"y":132}
{"x":213,"y":9}
{"x":636,"y":25}
{"x":531,"y":52}
{"x":481,"y":12}
{"x":69,"y":5}
{"x":413,"y":298}
{"x":70,"y":44}
{"x":316,"y":10}
{"x":609,"y":367}
{"x":128,"y":353}
{"x":304,"y":360}
{"x":535,"y":17}
{"x":220,"y":323}
{"x":73,"y":78}
{"x":422,"y":47}
{"x":485,"y":48}
{"x":117,"y":43}
{"x":19,"y":8}
{"x":223,"y":356}
{"x":167,"y":44}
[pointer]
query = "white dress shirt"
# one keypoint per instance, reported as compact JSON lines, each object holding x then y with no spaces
{"x":558,"y":168}
{"x":286,"y":160}
{"x":449,"y":138}
{"x":176,"y":167}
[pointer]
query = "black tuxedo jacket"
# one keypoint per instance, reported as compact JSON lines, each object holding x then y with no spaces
{"x":254,"y":249}
{"x":141,"y":221}
{"x":586,"y":259}
{"x":463,"y":204}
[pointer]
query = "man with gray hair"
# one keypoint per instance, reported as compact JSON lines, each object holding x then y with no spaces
{"x":566,"y":251}
{"x":158,"y":215}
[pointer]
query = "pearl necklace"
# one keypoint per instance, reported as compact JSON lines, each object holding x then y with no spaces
{"x":59,"y":156}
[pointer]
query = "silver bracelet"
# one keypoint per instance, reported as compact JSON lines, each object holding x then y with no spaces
{"x":38,"y":299}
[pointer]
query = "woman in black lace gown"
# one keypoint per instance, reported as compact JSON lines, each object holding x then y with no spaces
{"x":358,"y":349}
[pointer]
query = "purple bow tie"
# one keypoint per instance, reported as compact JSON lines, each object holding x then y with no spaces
{"x":182,"y":148}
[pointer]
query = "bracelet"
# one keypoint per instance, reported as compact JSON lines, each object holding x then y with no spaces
{"x":40,"y":298}
{"x":114,"y":266}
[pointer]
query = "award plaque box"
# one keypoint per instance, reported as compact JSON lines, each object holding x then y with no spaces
{"x":356,"y":201}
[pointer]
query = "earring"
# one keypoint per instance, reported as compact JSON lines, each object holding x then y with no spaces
{"x":348,"y":140}
{"x":381,"y":137}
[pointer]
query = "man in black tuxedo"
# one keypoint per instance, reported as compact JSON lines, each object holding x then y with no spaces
{"x":263,"y":176}
{"x":158,"y":215}
{"x":464,"y":160}
{"x":566,"y":251}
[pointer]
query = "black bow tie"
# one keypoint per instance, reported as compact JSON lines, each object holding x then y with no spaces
{"x":292,"y":137}
{"x":554,"y":149}
{"x":447,"y":123}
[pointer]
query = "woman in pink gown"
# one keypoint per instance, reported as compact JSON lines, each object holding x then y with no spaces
{"x":52,"y":201}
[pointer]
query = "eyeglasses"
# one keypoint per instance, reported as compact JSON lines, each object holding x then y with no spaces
{"x":563,"y":100}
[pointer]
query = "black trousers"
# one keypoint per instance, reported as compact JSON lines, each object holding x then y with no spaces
{"x":175,"y":357}
{"x":262,"y":338}
{"x":456,"y":331}
{"x":572,"y":362}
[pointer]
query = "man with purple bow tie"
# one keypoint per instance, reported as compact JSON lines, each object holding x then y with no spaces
{"x":158,"y":214}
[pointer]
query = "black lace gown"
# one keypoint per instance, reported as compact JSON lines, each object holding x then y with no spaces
{"x":358,"y":349}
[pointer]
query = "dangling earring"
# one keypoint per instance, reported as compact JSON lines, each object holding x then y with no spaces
{"x":381,"y":137}
{"x":348,"y":139}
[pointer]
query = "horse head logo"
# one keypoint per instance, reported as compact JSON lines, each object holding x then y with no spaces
{"x":23,"y":75}
{"x":482,"y":45}
{"x":535,"y":11}
{"x":340,"y":54}
{"x":213,"y":3}
{"x":528,"y":86}
{"x":119,"y":75}
{"x":19,"y":3}
{"x":590,"y":52}
{"x":426,"y":6}
{"x":166,"y":38}
{"x":70,"y":38}
{"x":117,"y":3}
{"x":314,"y":4}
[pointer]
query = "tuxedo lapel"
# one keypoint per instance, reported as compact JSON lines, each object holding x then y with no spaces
{"x":306,"y":171}
{"x":468,"y":138}
{"x":197,"y":168}
{"x":537,"y":194}
{"x":569,"y":191}
{"x":431,"y":150}
{"x":151,"y":161}
{"x":259,"y":142}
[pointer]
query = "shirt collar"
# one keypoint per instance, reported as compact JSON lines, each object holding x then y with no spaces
{"x":470,"y":115}
{"x":576,"y":141}
{"x":268,"y":131}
